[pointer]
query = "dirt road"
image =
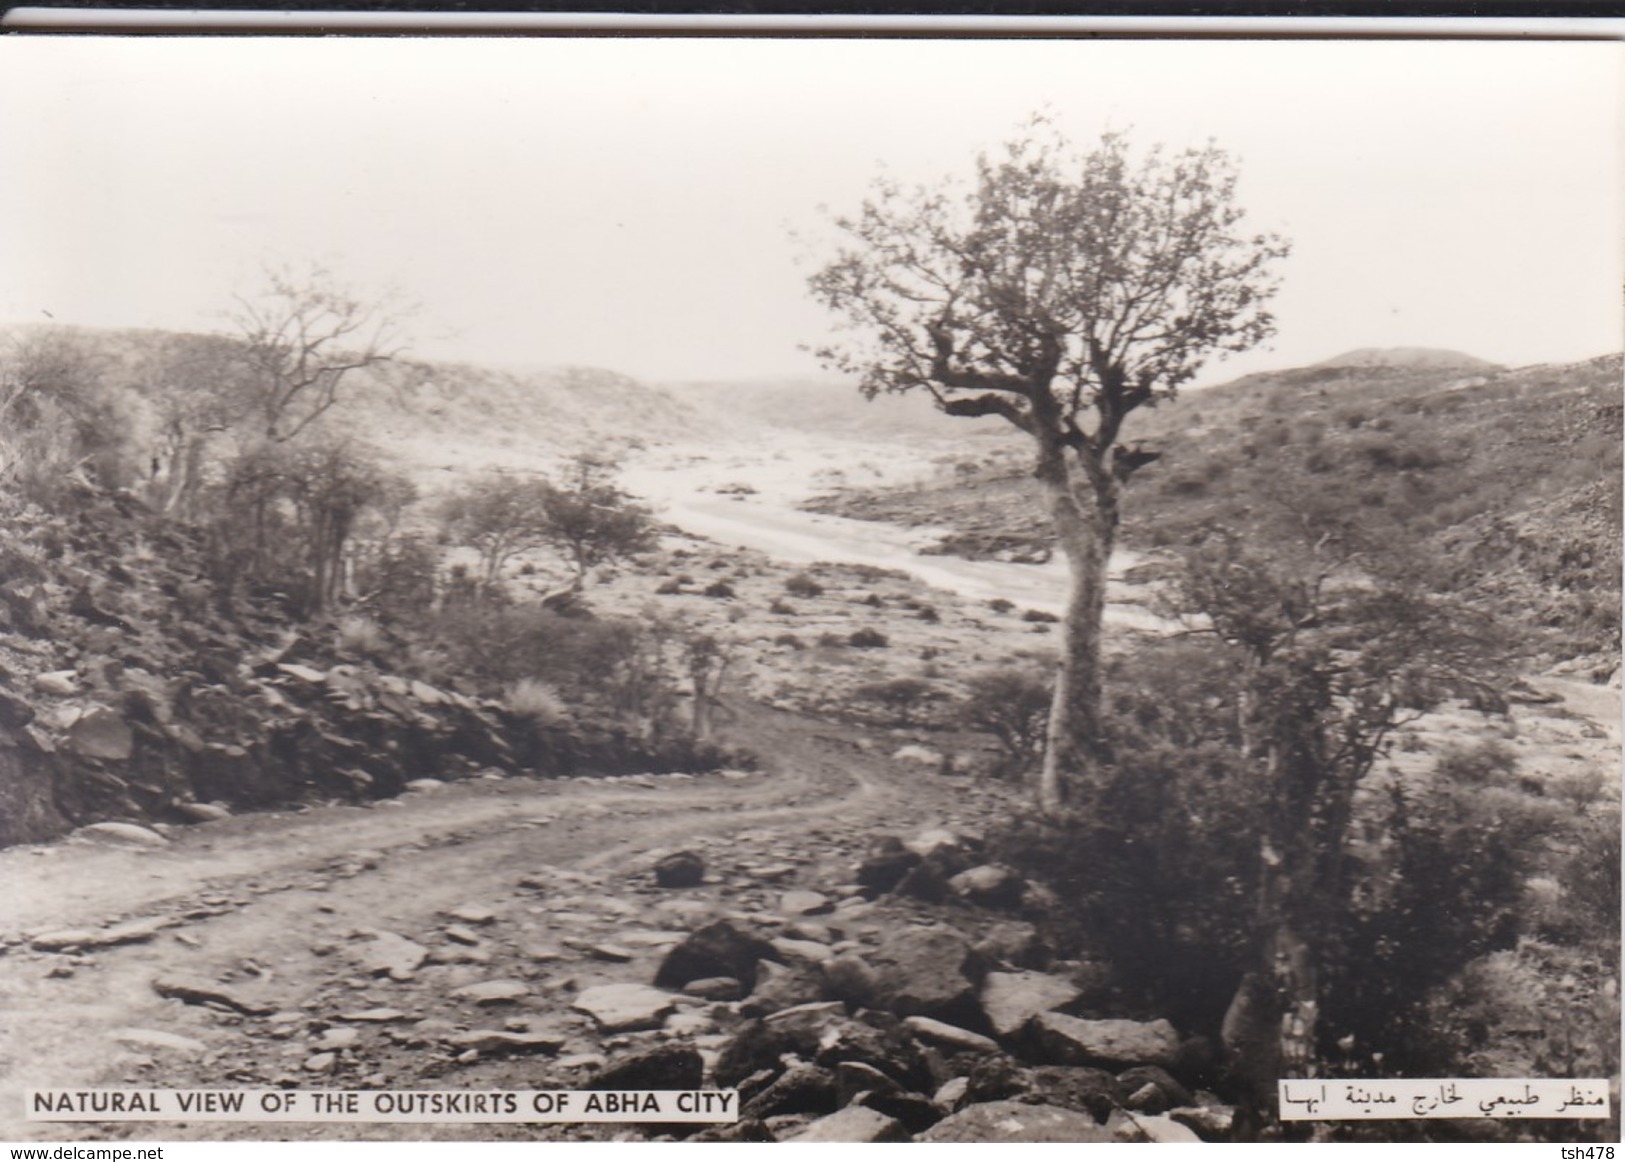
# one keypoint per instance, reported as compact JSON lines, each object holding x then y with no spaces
{"x":550,"y":882}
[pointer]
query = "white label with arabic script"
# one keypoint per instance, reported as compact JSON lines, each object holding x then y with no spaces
{"x":1358,"y":1099}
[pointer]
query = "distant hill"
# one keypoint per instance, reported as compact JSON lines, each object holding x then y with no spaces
{"x":1509,"y":480}
{"x":827,"y":405}
{"x":1411,"y":357}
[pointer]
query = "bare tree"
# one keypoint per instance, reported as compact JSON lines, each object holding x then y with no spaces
{"x":499,"y":517}
{"x":302,"y":336}
{"x":1059,"y":292}
{"x":590,"y":520}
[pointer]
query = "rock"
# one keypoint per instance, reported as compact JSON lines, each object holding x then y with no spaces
{"x":202,"y":992}
{"x":609,"y":953}
{"x":158,"y":1039}
{"x":203,"y":812}
{"x":388,"y":954}
{"x":780,"y":987}
{"x":913,"y":753}
{"x":1151,"y":1128}
{"x":339,"y":1038}
{"x":890,"y":1050}
{"x":621,"y":1008}
{"x":422,"y":785}
{"x":995,"y":1077}
{"x":505,"y":1041}
{"x":303,"y":673}
{"x":805,"y":903}
{"x":1013,"y":1121}
{"x":934,"y":841}
{"x":131,"y":932}
{"x":988,"y":884}
{"x":950,"y":1093}
{"x":886,"y":865}
{"x":853,"y":1124}
{"x":477,"y":914}
{"x":321,"y":1062}
{"x":1015,"y":943}
{"x":804,"y":951}
{"x":801,"y":1089}
{"x":668,"y":1066}
{"x":1074,"y":1041}
{"x":376,"y":1016}
{"x":62,"y":683}
{"x":681,"y":869}
{"x":1211,"y":1123}
{"x":950,"y":1036}
{"x":851,"y":979}
{"x":492,"y":992}
{"x":921,"y":972}
{"x":127,"y":834}
{"x":715,"y":988}
{"x":915,"y":1111}
{"x":462,"y":935}
{"x":1074,"y":1087}
{"x":1011,"y":999}
{"x":718,"y":949}
{"x":688,"y":1023}
{"x":855,"y":1077}
{"x":1167,"y":1094}
{"x":101,"y":733}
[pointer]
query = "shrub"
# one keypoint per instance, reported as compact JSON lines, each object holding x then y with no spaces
{"x":868,"y":639}
{"x":782,"y":608}
{"x":720,"y":589}
{"x":1013,"y":706}
{"x":802,"y":586}
{"x":905,"y":700}
{"x":1039,"y":616}
{"x":360,"y":635}
{"x":929,"y":614}
{"x":791,"y":640}
{"x":873,"y":601}
{"x":669,"y":587}
{"x":832,"y":641}
{"x":1001,"y":605}
{"x":536,"y":700}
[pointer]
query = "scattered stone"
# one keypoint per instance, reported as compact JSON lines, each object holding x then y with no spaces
{"x":1015,"y":943}
{"x":1168,"y":1093}
{"x":376,"y":1016}
{"x":388,"y":954}
{"x":887,"y":864}
{"x":914,"y":1111}
{"x":492,"y":992}
{"x":158,"y":1039}
{"x":990,"y":885}
{"x":62,"y":683}
{"x":127,"y":834}
{"x":805,"y":903}
{"x":668,"y":1066}
{"x":1147,"y":1099}
{"x":1211,"y":1123}
{"x":950,"y":1036}
{"x":950,"y":1093}
{"x":681,"y":869}
{"x":102,"y":733}
{"x":542,"y":953}
{"x":1011,"y":999}
{"x":476,"y":914}
{"x":620,"y":1008}
{"x":133,"y":932}
{"x":462,"y":935}
{"x":802,"y":950}
{"x":1074,"y":1041}
{"x":932,"y":841}
{"x":1013,"y":1121}
{"x":718,"y":949}
{"x":203,"y":812}
{"x":200,"y":992}
{"x":715,"y":988}
{"x":853,"y":1124}
{"x":320,"y":1062}
{"x":611,"y":953}
{"x":337,"y":1038}
{"x":1149,"y":1128}
{"x":917,"y":754}
{"x":424,"y":785}
{"x":303,"y":673}
{"x":851,"y":979}
{"x":652,"y":939}
{"x":856,"y":1077}
{"x":689,"y":1023}
{"x":801,"y":1089}
{"x":1074,"y":1087}
{"x":780,"y":987}
{"x":505,"y":1041}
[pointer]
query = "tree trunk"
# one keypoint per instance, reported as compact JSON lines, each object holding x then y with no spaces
{"x":1086,"y":528}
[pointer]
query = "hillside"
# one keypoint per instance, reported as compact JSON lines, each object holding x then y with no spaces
{"x":824,"y":405}
{"x":1511,"y":475}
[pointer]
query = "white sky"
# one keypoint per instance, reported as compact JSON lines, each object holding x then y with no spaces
{"x":629,"y":203}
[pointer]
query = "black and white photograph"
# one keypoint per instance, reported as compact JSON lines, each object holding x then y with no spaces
{"x":726,"y":589}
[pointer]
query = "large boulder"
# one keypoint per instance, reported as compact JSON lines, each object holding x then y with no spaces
{"x":1011,"y":999}
{"x":623,"y":1008}
{"x":681,"y":869}
{"x":988,"y":884}
{"x":668,"y":1066}
{"x":1064,"y":1040}
{"x":718,"y":949}
{"x":1013,"y":1121}
{"x":801,"y":1089}
{"x":853,"y":1124}
{"x":925,"y":972}
{"x":780,"y":987}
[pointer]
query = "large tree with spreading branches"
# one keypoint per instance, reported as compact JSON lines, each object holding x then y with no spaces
{"x":1059,"y":290}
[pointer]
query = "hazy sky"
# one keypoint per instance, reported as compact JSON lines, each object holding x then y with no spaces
{"x":630,"y":203}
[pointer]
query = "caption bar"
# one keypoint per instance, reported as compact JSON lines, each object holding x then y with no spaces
{"x":401,"y":1106}
{"x":1356,"y":1099}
